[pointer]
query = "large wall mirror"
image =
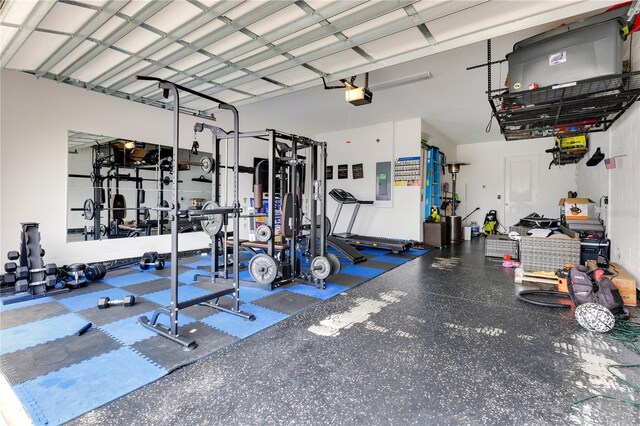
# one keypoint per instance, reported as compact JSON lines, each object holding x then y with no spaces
{"x":115,"y":183}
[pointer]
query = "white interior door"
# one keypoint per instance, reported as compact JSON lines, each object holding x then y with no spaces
{"x":521,"y":188}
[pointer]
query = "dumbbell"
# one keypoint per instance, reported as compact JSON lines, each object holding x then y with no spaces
{"x":95,"y":272}
{"x":151,"y":258}
{"x":10,"y":278}
{"x":13,"y":255}
{"x":10,"y":267}
{"x":105,"y":302}
{"x":22,"y":273}
{"x":49,"y":269}
{"x":23,"y":285}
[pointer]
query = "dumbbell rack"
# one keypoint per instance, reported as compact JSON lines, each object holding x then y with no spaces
{"x":33,"y":279}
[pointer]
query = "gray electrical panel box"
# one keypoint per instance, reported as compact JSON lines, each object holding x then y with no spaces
{"x":383,"y":181}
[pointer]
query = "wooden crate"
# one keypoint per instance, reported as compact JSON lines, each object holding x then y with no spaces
{"x":537,"y":278}
{"x":623,"y":281}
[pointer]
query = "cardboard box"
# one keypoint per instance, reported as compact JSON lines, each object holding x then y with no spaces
{"x":575,"y":208}
{"x":623,"y":281}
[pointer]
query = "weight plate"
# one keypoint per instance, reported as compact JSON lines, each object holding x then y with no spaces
{"x":164,"y":214}
{"x":327,"y":225}
{"x":335,"y":263}
{"x":263,"y":233}
{"x":89,"y":209}
{"x":213,"y":224}
{"x":320,"y":267}
{"x":263,"y":268}
{"x":92,"y":176}
{"x":206,"y":164}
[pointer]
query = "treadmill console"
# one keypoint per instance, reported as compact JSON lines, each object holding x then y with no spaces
{"x":342,"y":196}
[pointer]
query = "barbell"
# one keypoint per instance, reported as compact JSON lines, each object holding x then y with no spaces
{"x":89,"y":209}
{"x":207,"y":164}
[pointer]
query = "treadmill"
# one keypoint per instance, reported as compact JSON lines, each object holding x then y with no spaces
{"x":343,"y":197}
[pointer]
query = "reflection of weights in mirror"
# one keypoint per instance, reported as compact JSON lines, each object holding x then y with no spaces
{"x":105,"y":302}
{"x":89,"y":209}
{"x":263,"y":233}
{"x":263,"y":268}
{"x":207,"y":164}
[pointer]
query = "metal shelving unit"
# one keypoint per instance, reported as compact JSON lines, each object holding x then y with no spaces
{"x":578,"y":108}
{"x":435,"y":161}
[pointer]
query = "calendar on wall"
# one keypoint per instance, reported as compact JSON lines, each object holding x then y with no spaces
{"x":407,"y":171}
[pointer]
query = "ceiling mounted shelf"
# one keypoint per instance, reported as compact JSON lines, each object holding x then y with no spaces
{"x":579,"y":108}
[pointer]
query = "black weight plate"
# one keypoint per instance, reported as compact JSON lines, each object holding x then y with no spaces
{"x":91,"y":273}
{"x":89,"y":209}
{"x":159,"y":264}
{"x":103,"y":271}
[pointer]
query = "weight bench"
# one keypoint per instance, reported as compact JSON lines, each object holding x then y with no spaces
{"x":265,"y":246}
{"x":258,"y":245}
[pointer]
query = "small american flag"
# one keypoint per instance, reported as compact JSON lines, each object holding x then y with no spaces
{"x":610,"y":163}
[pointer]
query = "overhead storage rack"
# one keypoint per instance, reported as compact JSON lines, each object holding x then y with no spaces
{"x":571,"y":109}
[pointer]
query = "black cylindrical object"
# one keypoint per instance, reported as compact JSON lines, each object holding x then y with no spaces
{"x":454,"y":229}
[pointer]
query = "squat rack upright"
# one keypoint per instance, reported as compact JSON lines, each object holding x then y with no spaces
{"x":210,"y":300}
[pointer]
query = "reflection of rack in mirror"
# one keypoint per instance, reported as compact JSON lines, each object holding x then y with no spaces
{"x":114,"y":185}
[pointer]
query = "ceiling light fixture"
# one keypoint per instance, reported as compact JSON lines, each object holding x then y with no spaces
{"x":402,"y":81}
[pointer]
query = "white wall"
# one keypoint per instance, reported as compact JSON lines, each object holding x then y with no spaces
{"x":624,"y":190}
{"x":36,"y":115}
{"x":480,"y":183}
{"x":403,"y":216}
{"x":593,"y":182}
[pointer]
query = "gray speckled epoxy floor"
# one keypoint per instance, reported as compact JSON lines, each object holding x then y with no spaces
{"x":439,"y":340}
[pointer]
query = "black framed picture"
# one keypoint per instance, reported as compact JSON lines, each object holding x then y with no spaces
{"x":357,"y":170}
{"x":343,"y":171}
{"x":329,"y":172}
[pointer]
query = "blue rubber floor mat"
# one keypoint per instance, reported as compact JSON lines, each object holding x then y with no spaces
{"x":72,"y":391}
{"x":128,"y":355}
{"x":129,"y":279}
{"x":38,"y":332}
{"x":362,"y":271}
{"x":205,"y":261}
{"x":391,"y":259}
{"x":330,"y":290}
{"x":239,"y":327}
{"x":185,"y":292}
{"x":24,"y":304}
{"x":375,"y":251}
{"x":90,"y":300}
